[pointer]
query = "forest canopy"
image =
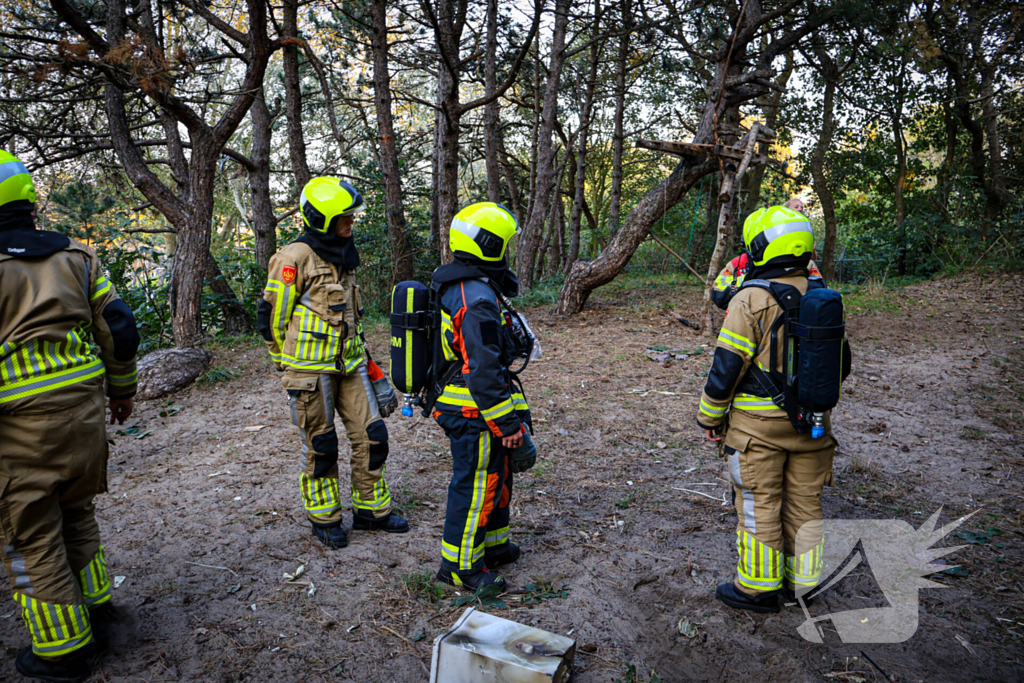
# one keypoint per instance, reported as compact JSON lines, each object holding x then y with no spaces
{"x":174,"y":136}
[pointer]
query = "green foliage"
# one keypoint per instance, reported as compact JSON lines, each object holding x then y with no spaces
{"x":424,"y":585}
{"x":82,"y":211}
{"x":487,"y":596}
{"x":544,"y":589}
{"x":216,"y":374}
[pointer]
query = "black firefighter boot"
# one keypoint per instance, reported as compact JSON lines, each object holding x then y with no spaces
{"x":472,"y":580}
{"x":72,"y":668}
{"x":508,"y":554}
{"x":332,"y":536}
{"x":363,"y":520}
{"x":112,"y":626}
{"x":734,"y":597}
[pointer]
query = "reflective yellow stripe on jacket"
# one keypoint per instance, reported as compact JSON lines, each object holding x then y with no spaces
{"x":38,"y":366}
{"x":460,"y":397}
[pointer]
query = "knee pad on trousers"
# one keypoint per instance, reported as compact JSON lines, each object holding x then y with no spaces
{"x":326,"y":447}
{"x":377,"y":431}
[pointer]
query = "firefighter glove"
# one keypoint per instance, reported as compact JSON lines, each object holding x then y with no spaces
{"x":387,"y":401}
{"x":524,"y":457}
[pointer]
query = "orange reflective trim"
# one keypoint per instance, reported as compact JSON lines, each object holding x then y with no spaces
{"x":489,"y":495}
{"x":506,"y":494}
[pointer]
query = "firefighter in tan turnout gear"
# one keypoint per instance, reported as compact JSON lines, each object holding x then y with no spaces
{"x":54,"y":303}
{"x":777,"y":472}
{"x":310,"y":318}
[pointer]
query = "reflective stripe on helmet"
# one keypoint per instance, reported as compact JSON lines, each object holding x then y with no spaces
{"x":785,"y":228}
{"x":467,"y":229}
{"x":11,"y":169}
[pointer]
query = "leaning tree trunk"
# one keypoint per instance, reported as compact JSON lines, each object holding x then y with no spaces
{"x":398,"y":236}
{"x":586,"y":276}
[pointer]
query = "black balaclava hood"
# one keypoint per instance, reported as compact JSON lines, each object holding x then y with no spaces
{"x":780,"y":266}
{"x":341,"y":251}
{"x":466,"y":266}
{"x":495,"y":271}
{"x":19,"y":237}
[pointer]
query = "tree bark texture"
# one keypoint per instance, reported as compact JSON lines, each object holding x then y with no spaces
{"x":264,"y":222}
{"x":540,"y":204}
{"x":491,"y":109}
{"x":398,"y":236}
{"x":769,"y":104}
{"x":830,"y":74}
{"x":729,"y":88}
{"x":586,"y":114}
{"x":190,"y":209}
{"x":448,"y":18}
{"x":618,"y":134}
{"x":293,"y":93}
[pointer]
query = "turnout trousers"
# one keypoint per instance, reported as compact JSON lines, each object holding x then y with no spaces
{"x":52,"y":466}
{"x":476,"y":519}
{"x":314,"y":401}
{"x":777,"y":477}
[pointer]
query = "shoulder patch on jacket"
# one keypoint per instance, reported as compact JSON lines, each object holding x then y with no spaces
{"x":288,"y":274}
{"x":489,"y":332}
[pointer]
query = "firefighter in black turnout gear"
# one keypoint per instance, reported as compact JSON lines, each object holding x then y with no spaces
{"x":479,"y":405}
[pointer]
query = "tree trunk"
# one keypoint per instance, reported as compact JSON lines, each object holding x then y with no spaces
{"x":618,"y":135}
{"x":995,"y":197}
{"x":491,"y":108}
{"x":585,"y":276}
{"x":770,"y":105}
{"x":191,"y":210}
{"x":557,"y":258}
{"x":235,"y":319}
{"x":830,"y":73}
{"x":723,"y":235}
{"x":540,"y":203}
{"x":508,"y":170}
{"x":450,"y":19}
{"x":580,"y":190}
{"x":264,"y":223}
{"x":942,"y":177}
{"x":899,"y":142}
{"x":435,"y":183}
{"x":448,"y":171}
{"x":293,"y":93}
{"x":401,"y":253}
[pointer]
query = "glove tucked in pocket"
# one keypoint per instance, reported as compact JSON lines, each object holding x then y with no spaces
{"x":387,"y":400}
{"x":524,"y":457}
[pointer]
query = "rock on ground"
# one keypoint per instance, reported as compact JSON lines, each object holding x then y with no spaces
{"x":168,"y":370}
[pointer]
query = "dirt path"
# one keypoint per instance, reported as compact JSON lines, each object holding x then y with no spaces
{"x":203,"y":518}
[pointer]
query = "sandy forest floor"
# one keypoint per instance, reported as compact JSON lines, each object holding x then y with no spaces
{"x":203,"y":517}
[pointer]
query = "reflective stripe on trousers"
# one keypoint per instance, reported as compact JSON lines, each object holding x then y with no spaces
{"x":56,"y":630}
{"x":805,"y":569}
{"x":95,"y":581}
{"x":759,"y":566}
